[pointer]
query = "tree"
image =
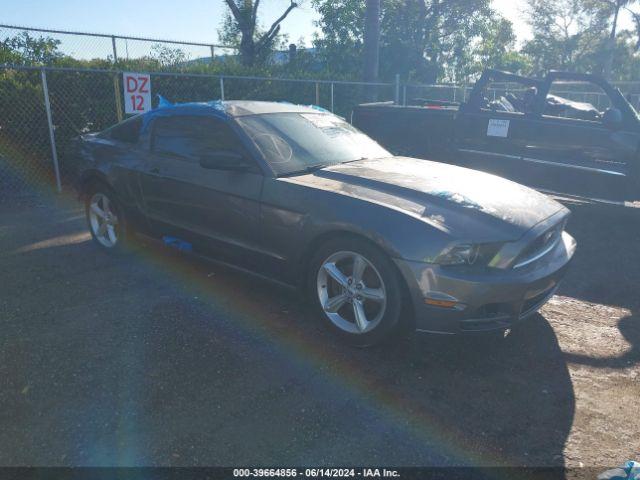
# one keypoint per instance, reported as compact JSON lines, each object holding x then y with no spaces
{"x":498,"y":49}
{"x":433,"y":40}
{"x":371,"y":41}
{"x":243,"y":23}
{"x":340,"y":45}
{"x":489,"y":42}
{"x":23,"y":49}
{"x":168,"y":57}
{"x":583,"y":36}
{"x":565,"y":35}
{"x":609,"y":9}
{"x":422,"y":40}
{"x":636,"y":20}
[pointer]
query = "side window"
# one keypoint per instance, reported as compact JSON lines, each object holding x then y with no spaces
{"x":190,"y":137}
{"x":127,"y":131}
{"x":510,"y":97}
{"x":577,"y":101}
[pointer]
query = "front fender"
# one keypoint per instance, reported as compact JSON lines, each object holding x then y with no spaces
{"x":294,"y":217}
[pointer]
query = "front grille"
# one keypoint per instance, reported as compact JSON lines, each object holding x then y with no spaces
{"x":540,"y":246}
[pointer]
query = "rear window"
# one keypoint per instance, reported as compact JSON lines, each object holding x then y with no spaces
{"x":127,"y":131}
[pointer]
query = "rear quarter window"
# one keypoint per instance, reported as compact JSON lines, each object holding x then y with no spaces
{"x":127,"y":131}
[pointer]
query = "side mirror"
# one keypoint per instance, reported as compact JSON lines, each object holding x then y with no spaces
{"x":224,"y":160}
{"x":612,"y":118}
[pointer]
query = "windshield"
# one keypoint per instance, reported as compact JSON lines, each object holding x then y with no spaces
{"x":299,"y":142}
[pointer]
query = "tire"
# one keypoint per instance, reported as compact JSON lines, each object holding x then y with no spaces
{"x":105,"y":218}
{"x":356,"y":290}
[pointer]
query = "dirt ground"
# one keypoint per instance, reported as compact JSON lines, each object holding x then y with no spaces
{"x":155,"y":358}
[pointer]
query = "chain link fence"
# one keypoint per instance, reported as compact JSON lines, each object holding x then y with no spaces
{"x":36,"y":133}
{"x":25,"y":147}
{"x":575,"y":91}
{"x":115,"y":48}
{"x":36,"y":153}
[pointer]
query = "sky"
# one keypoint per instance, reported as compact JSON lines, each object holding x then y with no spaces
{"x":192,"y":20}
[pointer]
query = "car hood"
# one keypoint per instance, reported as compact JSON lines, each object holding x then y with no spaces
{"x":466,"y":203}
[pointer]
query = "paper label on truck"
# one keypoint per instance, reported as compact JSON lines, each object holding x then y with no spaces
{"x":498,"y":128}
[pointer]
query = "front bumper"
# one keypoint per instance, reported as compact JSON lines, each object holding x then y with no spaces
{"x":493,"y":299}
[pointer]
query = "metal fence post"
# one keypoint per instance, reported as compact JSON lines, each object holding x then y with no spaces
{"x":404,"y":95}
{"x":118,"y":97}
{"x":221,"y":88}
{"x":317,"y":94}
{"x":331,"y":97}
{"x":397,"y":94}
{"x":52,"y":136}
{"x":115,"y":50}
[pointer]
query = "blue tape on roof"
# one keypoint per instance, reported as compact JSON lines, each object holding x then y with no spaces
{"x":166,"y":108}
{"x":163,"y":102}
{"x":318,"y":108}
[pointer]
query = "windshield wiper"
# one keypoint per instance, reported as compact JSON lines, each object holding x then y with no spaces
{"x":356,"y":160}
{"x":308,"y":169}
{"x":319,"y":166}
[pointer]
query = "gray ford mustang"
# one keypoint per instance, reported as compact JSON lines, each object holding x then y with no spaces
{"x":298,"y":195}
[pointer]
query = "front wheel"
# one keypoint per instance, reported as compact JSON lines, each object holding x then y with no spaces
{"x":105,"y":218}
{"x":356,"y":290}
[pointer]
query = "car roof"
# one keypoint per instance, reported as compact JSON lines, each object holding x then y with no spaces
{"x":236,"y":108}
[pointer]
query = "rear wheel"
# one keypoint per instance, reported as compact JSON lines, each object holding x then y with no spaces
{"x":356,"y":290}
{"x":105,"y":218}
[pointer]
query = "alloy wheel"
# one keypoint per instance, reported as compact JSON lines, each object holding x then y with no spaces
{"x":351,"y":292}
{"x":103,"y":220}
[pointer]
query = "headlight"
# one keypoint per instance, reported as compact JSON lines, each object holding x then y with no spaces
{"x":465,"y":254}
{"x":468,"y":254}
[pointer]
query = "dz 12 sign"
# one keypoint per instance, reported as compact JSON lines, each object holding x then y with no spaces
{"x":137,"y":92}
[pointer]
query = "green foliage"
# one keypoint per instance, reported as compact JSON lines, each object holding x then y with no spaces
{"x":497,"y":49}
{"x":84,"y":101}
{"x":168,"y":57}
{"x":340,"y":46}
{"x":23,"y":49}
{"x":426,"y":41}
{"x":565,"y":34}
{"x":230,"y":34}
{"x":423,"y":40}
{"x":241,"y":28}
{"x":576,"y":35}
{"x":23,"y":125}
{"x":432,"y":41}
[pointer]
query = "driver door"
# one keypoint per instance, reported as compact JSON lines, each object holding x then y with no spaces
{"x":493,"y":128}
{"x":574,"y":151}
{"x":217,"y":210}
